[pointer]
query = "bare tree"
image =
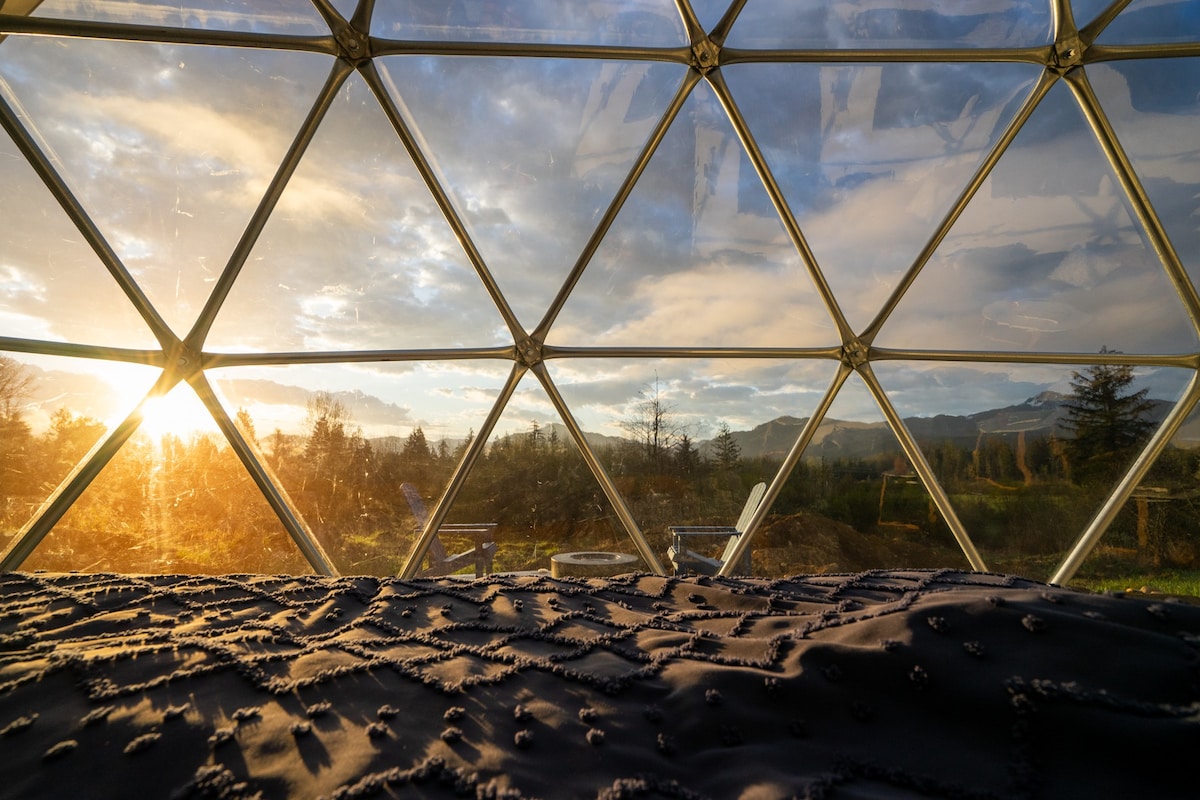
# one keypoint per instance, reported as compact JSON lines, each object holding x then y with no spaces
{"x":652,"y":424}
{"x":16,"y":440}
{"x":15,"y":382}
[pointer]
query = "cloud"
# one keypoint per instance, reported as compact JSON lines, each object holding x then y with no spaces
{"x":726,"y":305}
{"x":700,"y":393}
{"x":968,"y":23}
{"x":172,"y":146}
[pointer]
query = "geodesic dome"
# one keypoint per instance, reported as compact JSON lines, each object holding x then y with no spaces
{"x":585,"y":270}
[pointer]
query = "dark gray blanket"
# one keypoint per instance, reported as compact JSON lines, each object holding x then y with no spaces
{"x":898,"y":684}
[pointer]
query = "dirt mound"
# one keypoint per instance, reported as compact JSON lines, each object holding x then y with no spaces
{"x":811,"y":543}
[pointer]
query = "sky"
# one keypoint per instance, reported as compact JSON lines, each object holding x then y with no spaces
{"x":170,"y":148}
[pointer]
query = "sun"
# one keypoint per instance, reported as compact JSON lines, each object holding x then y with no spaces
{"x":178,"y":413}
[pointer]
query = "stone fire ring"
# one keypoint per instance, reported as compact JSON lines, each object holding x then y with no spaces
{"x":591,"y":563}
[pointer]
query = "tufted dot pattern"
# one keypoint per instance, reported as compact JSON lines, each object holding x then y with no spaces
{"x":881,"y":684}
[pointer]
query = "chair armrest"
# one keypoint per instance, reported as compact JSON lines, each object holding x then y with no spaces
{"x":467,"y":527}
{"x":689,"y":561}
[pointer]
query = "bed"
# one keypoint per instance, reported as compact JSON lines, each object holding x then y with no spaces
{"x":898,"y":683}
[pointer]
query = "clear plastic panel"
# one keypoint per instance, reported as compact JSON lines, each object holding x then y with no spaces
{"x":685,"y":440}
{"x":1153,"y":108}
{"x":197,"y":512}
{"x":1045,"y":257}
{"x":530,"y":209}
{"x":168,"y":148}
{"x":872,"y":157}
{"x":52,"y":285}
{"x":342,"y":440}
{"x":646,"y":23}
{"x":1152,"y":546}
{"x":401,"y":281}
{"x":785,"y":24}
{"x":256,"y":16}
{"x":533,"y":484}
{"x":698,"y":254}
{"x":854,"y":502}
{"x":1023,"y":470}
{"x":1154,"y":22}
{"x":52,"y":412}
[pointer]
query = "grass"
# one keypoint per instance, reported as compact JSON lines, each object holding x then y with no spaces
{"x":1185,"y":582}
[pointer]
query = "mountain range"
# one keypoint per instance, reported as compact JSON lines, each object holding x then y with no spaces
{"x":1038,"y":416}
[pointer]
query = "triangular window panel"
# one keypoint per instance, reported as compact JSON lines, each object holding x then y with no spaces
{"x":298,"y":17}
{"x":1152,"y":107}
{"x":685,"y":441}
{"x":1045,"y":257}
{"x":1140,"y":548}
{"x":697,"y":255}
{"x":854,"y":502}
{"x":651,"y":23}
{"x":1154,"y":22}
{"x":168,"y":148}
{"x":52,"y":285}
{"x":1015,"y":460}
{"x":57,"y":409}
{"x":1151,"y":546}
{"x":356,"y":200}
{"x":533,"y":485}
{"x":199,"y":512}
{"x":871,"y":157}
{"x":342,"y":440}
{"x":785,"y":24}
{"x":531,"y":209}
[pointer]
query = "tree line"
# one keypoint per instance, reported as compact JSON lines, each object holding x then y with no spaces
{"x":190,"y":506}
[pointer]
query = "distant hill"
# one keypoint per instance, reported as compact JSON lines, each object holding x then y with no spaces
{"x":1038,"y":416}
{"x":597,"y":440}
{"x":1043,"y":413}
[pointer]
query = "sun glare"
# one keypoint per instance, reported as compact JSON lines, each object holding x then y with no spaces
{"x":179,"y":413}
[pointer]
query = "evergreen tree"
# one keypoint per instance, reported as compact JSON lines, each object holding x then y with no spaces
{"x":1108,"y":421}
{"x":461,"y":449}
{"x":687,"y":457}
{"x":417,"y":456}
{"x":327,"y":417}
{"x":726,"y":451}
{"x":245,"y":424}
{"x":535,"y":434}
{"x":336,"y":460}
{"x":282,"y":448}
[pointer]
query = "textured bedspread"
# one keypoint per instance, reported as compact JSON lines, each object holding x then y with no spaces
{"x":884,"y":684}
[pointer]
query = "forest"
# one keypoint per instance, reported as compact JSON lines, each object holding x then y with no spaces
{"x":188,"y":505}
